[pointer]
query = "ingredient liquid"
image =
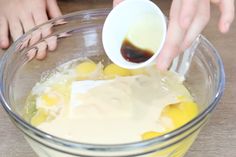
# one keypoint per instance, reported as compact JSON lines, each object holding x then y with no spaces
{"x":134,"y":54}
{"x":143,"y":38}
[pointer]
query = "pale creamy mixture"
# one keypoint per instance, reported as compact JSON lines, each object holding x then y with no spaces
{"x":105,"y":110}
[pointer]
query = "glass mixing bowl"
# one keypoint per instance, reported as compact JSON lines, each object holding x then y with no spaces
{"x":78,"y":35}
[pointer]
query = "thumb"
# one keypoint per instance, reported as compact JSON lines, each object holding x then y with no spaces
{"x":116,"y":2}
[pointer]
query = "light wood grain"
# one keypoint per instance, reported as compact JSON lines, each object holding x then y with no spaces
{"x":217,"y":139}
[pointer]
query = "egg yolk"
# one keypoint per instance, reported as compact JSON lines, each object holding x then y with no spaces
{"x":178,"y":114}
{"x":181,"y":113}
{"x":150,"y":135}
{"x":114,"y":70}
{"x":50,"y":99}
{"x":85,"y":69}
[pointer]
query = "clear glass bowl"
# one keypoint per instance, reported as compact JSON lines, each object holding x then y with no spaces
{"x":79,"y":36}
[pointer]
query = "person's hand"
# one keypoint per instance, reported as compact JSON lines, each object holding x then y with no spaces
{"x":19,"y":16}
{"x":187,"y":19}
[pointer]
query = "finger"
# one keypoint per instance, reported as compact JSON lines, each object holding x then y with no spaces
{"x":51,"y":43}
{"x":4,"y":41}
{"x":41,"y":17}
{"x":31,"y":54}
{"x":116,"y":2}
{"x":53,"y":9}
{"x":42,"y":50}
{"x":227,"y":15}
{"x":187,"y":12}
{"x":215,"y":1}
{"x":35,"y":37}
{"x":64,"y":35}
{"x":27,"y":21}
{"x":175,"y":35}
{"x":24,"y":43}
{"x":200,"y":21}
{"x":15,"y":27}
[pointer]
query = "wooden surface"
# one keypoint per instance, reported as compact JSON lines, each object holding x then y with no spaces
{"x":217,"y":139}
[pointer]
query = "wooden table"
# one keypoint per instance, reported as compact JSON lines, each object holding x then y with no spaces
{"x":217,"y":139}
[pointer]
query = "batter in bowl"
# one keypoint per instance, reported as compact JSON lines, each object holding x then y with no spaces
{"x":87,"y":102}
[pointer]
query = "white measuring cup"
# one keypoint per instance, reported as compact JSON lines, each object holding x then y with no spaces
{"x":118,"y":23}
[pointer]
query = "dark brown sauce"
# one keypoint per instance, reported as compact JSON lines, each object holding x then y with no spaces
{"x":134,"y":54}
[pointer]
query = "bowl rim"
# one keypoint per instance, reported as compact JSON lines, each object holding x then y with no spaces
{"x":103,"y":147}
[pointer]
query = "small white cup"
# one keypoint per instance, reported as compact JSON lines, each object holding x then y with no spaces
{"x":117,"y":25}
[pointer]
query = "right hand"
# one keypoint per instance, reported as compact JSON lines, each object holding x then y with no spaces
{"x":187,"y":19}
